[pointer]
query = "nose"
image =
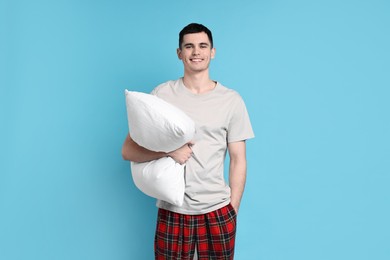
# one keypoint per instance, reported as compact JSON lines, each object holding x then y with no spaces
{"x":195,"y":51}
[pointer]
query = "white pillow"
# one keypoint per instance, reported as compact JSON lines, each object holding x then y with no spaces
{"x":158,"y":126}
{"x":162,"y":179}
{"x":155,"y":124}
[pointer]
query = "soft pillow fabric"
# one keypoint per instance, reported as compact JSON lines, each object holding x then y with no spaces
{"x":162,"y":179}
{"x":158,"y":126}
{"x":155,"y":124}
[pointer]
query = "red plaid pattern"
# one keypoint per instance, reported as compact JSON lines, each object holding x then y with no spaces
{"x":213,"y":233}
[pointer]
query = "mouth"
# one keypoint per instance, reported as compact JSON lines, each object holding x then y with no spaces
{"x":196,"y":59}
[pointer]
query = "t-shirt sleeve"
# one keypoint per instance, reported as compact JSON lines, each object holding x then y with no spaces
{"x":240,"y":127}
{"x":154,"y":92}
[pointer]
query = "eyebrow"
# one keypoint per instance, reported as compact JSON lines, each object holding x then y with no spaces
{"x":191,"y":44}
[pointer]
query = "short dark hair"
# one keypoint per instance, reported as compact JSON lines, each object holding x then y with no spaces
{"x":195,"y":28}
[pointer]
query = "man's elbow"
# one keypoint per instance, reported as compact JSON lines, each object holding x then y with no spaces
{"x":125,"y":155}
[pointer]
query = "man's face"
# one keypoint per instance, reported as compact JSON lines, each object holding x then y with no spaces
{"x":196,"y":52}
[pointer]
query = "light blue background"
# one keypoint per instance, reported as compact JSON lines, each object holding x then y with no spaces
{"x":315,"y":78}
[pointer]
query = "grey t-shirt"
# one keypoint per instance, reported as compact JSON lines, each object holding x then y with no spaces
{"x":220,"y":118}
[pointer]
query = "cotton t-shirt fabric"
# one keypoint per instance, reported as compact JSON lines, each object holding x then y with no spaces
{"x":220,"y":118}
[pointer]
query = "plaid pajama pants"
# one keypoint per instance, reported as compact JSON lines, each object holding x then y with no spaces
{"x":213,"y":234}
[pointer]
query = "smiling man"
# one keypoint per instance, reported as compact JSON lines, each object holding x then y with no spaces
{"x":205,"y":225}
{"x":196,"y":51}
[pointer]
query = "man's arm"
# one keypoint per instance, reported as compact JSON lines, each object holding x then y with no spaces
{"x":131,"y":151}
{"x":237,"y":172}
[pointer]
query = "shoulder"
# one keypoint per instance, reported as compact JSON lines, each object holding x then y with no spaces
{"x":228,"y":93}
{"x":164,"y":87}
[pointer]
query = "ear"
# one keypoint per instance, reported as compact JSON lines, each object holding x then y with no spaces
{"x":213,"y":51}
{"x":178,"y":51}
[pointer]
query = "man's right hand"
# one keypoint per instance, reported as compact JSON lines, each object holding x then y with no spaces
{"x":182,"y":154}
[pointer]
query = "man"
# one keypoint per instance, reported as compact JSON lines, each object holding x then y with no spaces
{"x":206,"y":222}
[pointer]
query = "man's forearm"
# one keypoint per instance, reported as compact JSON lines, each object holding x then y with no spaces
{"x":131,"y":151}
{"x":237,"y":179}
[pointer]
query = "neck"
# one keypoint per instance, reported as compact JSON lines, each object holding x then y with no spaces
{"x":198,"y":83}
